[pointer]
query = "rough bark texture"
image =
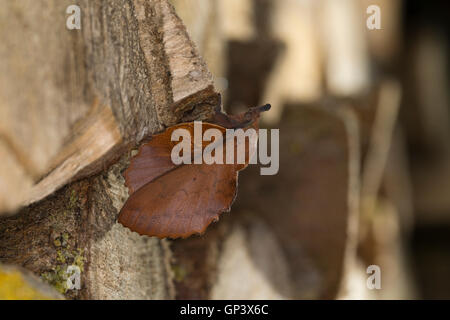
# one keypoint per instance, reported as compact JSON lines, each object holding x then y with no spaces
{"x":130,"y":71}
{"x":73,"y":102}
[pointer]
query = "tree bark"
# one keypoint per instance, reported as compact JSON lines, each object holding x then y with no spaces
{"x":72,"y":100}
{"x":74,"y":103}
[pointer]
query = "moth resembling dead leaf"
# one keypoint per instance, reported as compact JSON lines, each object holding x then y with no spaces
{"x":169,"y":200}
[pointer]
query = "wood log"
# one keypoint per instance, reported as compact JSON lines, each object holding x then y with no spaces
{"x":203,"y":21}
{"x":73,"y":104}
{"x":297,"y":74}
{"x":280,"y":237}
{"x":130,"y":71}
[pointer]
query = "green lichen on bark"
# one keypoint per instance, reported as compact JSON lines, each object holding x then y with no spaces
{"x":51,"y":237}
{"x":66,"y":258}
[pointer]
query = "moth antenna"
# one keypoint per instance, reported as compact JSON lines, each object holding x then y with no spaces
{"x":265,"y":107}
{"x":254,"y":113}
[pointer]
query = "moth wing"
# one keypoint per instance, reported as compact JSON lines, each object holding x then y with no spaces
{"x":141,"y":171}
{"x":152,"y":160}
{"x":182,"y":202}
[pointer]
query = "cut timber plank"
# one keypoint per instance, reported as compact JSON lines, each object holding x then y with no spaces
{"x":73,"y":104}
{"x":72,"y":101}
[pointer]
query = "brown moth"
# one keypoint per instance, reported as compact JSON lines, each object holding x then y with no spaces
{"x":168,"y":200}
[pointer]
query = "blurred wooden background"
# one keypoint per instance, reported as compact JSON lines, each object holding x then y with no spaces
{"x":364,"y":145}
